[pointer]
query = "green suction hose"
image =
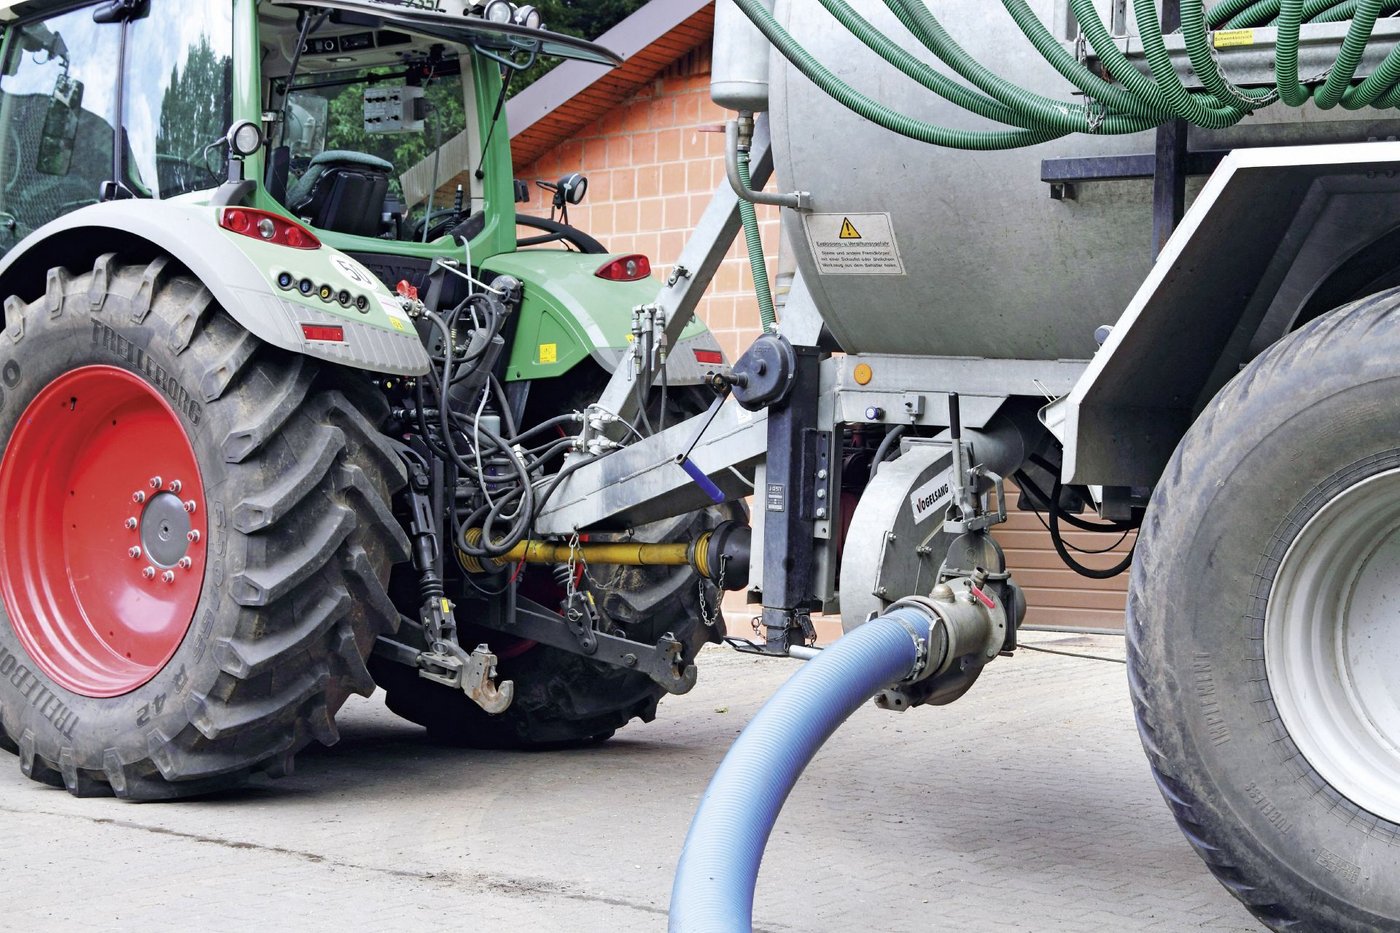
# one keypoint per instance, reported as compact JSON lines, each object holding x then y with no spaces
{"x":757,"y":265}
{"x":1124,"y":100}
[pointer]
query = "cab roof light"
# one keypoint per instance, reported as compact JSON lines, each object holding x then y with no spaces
{"x":268,"y":227}
{"x":632,"y":268}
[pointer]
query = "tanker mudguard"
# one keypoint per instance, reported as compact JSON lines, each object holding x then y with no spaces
{"x":1271,"y":242}
{"x":317,"y":302}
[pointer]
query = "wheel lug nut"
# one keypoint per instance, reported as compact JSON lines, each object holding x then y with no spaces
{"x":156,"y":482}
{"x":168,"y":576}
{"x":138,"y":497}
{"x":185,"y":563}
{"x":135,"y":553}
{"x":131,"y":524}
{"x":149,"y":573}
{"x":176,"y":486}
{"x":190,"y":506}
{"x":193,"y":537}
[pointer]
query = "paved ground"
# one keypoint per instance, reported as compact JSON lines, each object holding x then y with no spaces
{"x":1024,"y":807}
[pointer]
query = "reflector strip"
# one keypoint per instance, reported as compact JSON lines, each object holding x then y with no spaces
{"x":328,"y":332}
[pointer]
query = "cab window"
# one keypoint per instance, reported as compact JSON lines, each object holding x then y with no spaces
{"x":57,"y":113}
{"x":178,"y":96}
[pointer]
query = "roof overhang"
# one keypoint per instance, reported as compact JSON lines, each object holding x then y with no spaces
{"x":649,"y":40}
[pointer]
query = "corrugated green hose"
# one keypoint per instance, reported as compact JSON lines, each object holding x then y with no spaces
{"x":1132,"y":100}
{"x":757,"y":266}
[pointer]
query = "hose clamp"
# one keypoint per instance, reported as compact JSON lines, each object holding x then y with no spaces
{"x":923,"y":655}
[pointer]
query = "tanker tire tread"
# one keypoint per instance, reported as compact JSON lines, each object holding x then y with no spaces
{"x":1154,"y":684}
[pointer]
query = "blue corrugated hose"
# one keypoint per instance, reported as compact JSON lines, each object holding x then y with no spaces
{"x":713,"y":890}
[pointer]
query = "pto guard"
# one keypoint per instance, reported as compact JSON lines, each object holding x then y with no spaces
{"x":242,"y":274}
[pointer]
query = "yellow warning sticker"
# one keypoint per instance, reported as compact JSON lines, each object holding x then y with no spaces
{"x":1228,"y":38}
{"x":549,"y":353}
{"x":397,"y":324}
{"x":853,"y":244}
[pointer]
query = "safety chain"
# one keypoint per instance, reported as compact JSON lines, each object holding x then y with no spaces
{"x":712,"y":619}
{"x":571,"y":584}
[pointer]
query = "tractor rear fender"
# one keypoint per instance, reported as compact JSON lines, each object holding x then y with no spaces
{"x":1274,"y":235}
{"x":371,"y":332}
{"x":569,"y":314}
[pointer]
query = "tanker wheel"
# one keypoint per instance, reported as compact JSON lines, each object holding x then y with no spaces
{"x":195,"y":540}
{"x":564,"y":699}
{"x":1264,"y":626}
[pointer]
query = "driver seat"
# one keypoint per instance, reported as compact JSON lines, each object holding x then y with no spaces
{"x":342,"y":191}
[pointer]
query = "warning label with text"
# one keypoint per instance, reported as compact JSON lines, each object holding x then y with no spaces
{"x":853,"y":244}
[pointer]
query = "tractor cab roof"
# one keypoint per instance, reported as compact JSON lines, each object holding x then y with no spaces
{"x":460,"y":22}
{"x":457,"y":21}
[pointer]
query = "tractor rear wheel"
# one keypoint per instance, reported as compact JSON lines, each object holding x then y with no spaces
{"x":196,"y":539}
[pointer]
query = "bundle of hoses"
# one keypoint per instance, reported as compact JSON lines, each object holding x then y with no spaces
{"x":714,"y":886}
{"x":1127,"y":100}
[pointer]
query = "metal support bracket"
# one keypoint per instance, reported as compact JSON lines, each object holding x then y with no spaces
{"x":453,"y":667}
{"x":696,"y":266}
{"x":664,"y":662}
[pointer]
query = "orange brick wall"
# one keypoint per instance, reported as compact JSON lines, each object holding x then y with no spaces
{"x":651,"y":169}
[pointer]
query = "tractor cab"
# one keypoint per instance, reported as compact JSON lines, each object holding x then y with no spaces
{"x":363,"y":107}
{"x":370,"y":103}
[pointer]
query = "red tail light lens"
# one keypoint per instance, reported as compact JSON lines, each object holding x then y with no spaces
{"x":625,"y":269}
{"x":709,"y":357}
{"x":268,"y":227}
{"x":332,"y":333}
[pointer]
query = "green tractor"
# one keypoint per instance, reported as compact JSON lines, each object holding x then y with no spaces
{"x":276,"y":417}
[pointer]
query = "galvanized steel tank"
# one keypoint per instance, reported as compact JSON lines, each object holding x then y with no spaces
{"x":992,"y":266}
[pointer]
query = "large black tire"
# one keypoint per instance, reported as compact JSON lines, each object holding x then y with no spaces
{"x":299,"y":545}
{"x":1310,"y":419}
{"x":564,"y":699}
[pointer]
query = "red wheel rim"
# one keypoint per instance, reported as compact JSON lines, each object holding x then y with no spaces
{"x":103,"y":544}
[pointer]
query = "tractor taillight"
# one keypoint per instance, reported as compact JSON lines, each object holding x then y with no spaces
{"x":625,"y":269}
{"x":268,"y":227}
{"x":709,"y":357}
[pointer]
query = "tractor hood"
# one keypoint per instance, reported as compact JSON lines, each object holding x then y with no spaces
{"x":461,"y":22}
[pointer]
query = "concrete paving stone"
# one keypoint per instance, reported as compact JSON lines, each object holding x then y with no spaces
{"x":1025,"y":806}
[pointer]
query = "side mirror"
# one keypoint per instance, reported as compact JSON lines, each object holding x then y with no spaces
{"x":56,"y":140}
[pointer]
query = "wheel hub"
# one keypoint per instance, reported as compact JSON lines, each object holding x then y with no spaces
{"x":164,"y":529}
{"x":1331,"y":636}
{"x":101,"y":559}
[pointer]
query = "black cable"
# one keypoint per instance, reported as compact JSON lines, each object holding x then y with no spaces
{"x":1022,"y":480}
{"x":507,"y":413}
{"x":1072,"y":654}
{"x":1076,"y":521}
{"x":891,"y":437}
{"x":1058,"y":541}
{"x":559,"y":478}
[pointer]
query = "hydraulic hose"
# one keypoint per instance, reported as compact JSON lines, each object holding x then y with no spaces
{"x":757,"y":265}
{"x":714,"y":886}
{"x":1125,"y":99}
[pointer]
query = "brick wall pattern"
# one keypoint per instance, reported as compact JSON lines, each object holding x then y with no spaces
{"x":652,"y":165}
